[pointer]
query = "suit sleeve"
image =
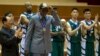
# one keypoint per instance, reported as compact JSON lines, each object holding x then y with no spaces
{"x":55,"y":19}
{"x":29,"y":34}
{"x":7,"y":41}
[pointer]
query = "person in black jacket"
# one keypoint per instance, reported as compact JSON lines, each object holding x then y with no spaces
{"x":9,"y":38}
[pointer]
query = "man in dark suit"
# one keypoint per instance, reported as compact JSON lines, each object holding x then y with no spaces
{"x":9,"y":39}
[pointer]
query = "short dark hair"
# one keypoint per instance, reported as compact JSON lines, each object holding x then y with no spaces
{"x":4,"y":17}
{"x":74,"y":9}
{"x":7,"y":13}
{"x":85,"y":10}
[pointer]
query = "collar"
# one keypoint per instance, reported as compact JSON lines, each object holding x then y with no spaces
{"x":89,"y":22}
{"x":40,"y":17}
{"x":6,"y":28}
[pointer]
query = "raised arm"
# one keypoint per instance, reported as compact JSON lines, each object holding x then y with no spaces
{"x":97,"y":29}
{"x":56,"y":18}
{"x":92,"y":25}
{"x":70,"y":31}
{"x":12,"y":40}
{"x":23,"y":19}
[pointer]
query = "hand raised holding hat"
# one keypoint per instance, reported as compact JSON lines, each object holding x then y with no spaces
{"x":53,"y":9}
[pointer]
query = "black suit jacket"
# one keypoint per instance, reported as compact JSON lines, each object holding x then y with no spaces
{"x":9,"y":42}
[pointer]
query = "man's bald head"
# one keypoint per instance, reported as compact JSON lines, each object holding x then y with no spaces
{"x":28,"y":3}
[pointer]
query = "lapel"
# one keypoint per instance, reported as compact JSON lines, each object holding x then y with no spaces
{"x":47,"y":19}
{"x":6,"y":32}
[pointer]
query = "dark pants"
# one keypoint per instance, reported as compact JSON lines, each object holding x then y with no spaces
{"x":57,"y":49}
{"x":90,"y":49}
{"x":75,"y":49}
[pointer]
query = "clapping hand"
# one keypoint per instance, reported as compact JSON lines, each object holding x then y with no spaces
{"x":19,"y":33}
